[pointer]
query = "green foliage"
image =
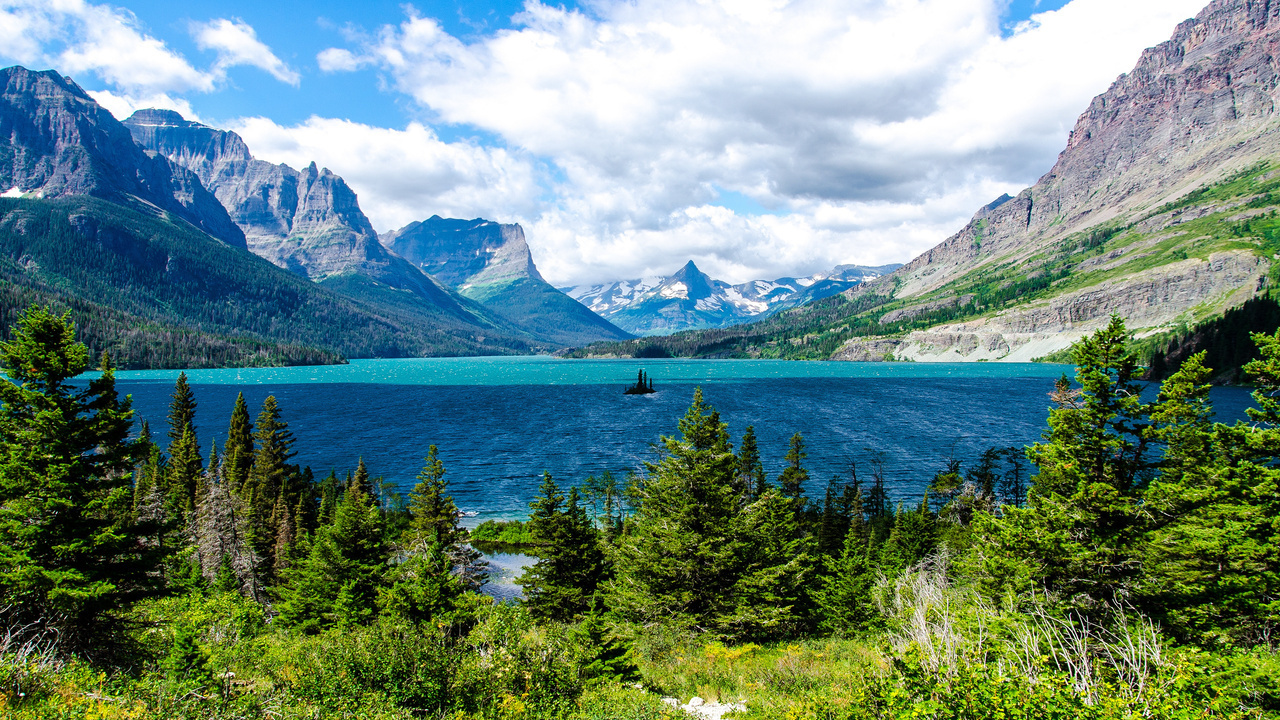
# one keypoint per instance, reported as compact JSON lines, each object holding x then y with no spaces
{"x":68,"y":555}
{"x":560,"y":586}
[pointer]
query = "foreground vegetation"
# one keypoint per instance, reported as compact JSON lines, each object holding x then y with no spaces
{"x":1125,"y":567}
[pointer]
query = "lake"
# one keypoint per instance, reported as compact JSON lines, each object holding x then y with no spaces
{"x":500,"y":422}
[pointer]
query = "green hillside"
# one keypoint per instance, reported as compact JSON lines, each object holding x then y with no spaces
{"x":169,"y":295}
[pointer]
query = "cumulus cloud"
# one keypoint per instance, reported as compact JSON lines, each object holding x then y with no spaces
{"x":237,"y":44}
{"x":78,"y":37}
{"x":122,"y":105}
{"x":404,"y":175}
{"x":877,"y":126}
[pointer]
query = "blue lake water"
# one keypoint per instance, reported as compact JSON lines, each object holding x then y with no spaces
{"x":500,"y":422}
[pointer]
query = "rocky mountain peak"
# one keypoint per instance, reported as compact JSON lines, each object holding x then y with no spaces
{"x":58,"y":142}
{"x":465,"y":253}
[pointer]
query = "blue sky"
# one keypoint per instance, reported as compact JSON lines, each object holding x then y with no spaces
{"x":761,"y":138}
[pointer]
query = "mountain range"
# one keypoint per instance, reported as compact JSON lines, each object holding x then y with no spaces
{"x":177,"y":247}
{"x":1162,"y":208}
{"x":689,"y":299}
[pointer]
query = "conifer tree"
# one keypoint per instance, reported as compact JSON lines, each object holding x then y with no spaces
{"x":844,"y":592}
{"x":791,"y":481}
{"x":434,"y":517}
{"x":679,"y":552}
{"x":1079,"y":535}
{"x":222,"y":539}
{"x":182,"y":410}
{"x":185,"y":473}
{"x":69,"y":558}
{"x":341,"y":579}
{"x":770,"y":598}
{"x":751,"y":477}
{"x":238,"y":451}
{"x":424,"y":587}
{"x":561,"y":584}
{"x":913,"y":538}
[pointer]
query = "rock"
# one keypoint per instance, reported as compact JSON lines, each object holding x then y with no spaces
{"x":1194,"y":110}
{"x":307,"y":221}
{"x":58,"y":142}
{"x":696,"y":701}
{"x":491,"y":263}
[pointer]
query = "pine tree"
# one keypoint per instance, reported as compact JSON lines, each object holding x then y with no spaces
{"x":791,"y":481}
{"x":679,"y":552}
{"x":751,"y":477}
{"x":238,"y":451}
{"x":272,"y":480}
{"x":69,"y":559}
{"x":346,"y":571}
{"x":561,"y":584}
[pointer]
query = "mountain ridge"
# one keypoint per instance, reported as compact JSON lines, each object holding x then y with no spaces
{"x":690,"y":299}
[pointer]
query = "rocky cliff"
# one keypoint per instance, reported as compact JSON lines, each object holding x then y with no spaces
{"x":491,"y":263}
{"x":55,"y":141}
{"x":307,"y":221}
{"x":1186,"y":136}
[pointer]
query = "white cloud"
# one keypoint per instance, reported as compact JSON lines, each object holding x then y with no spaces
{"x":77,"y":37}
{"x":122,"y":105}
{"x":237,"y":44}
{"x":880,"y":125}
{"x":403,"y":175}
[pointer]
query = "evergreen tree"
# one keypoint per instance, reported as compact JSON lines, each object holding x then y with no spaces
{"x":751,"y":477}
{"x":678,"y":553}
{"x":561,"y":584}
{"x":844,"y":592}
{"x":272,"y":480}
{"x":913,"y":538}
{"x":424,"y":588}
{"x":791,"y":481}
{"x":341,"y":579}
{"x":69,"y":558}
{"x":770,"y":599}
{"x":1080,"y":534}
{"x":238,"y":451}
{"x":434,"y":517}
{"x":182,"y":410}
{"x":185,"y":475}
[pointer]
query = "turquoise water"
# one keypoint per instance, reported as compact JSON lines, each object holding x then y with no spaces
{"x":500,"y":422}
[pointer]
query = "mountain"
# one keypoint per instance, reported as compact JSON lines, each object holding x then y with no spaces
{"x":307,"y":221}
{"x":690,"y":299}
{"x":490,"y":263}
{"x":154,"y":266}
{"x":55,"y":141}
{"x":1163,"y":208}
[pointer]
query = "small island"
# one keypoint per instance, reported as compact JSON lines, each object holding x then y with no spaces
{"x":643,"y":386}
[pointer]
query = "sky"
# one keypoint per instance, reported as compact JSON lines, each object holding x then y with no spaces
{"x":759,"y":138}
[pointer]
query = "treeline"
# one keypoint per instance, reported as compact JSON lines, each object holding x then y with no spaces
{"x":1126,"y":566}
{"x":136,"y":343}
{"x":1225,"y":341}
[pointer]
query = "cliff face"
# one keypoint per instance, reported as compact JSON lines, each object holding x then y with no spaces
{"x":55,"y":141}
{"x":462,"y":253}
{"x":490,"y":263}
{"x":1195,"y":110}
{"x":308,"y":221}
